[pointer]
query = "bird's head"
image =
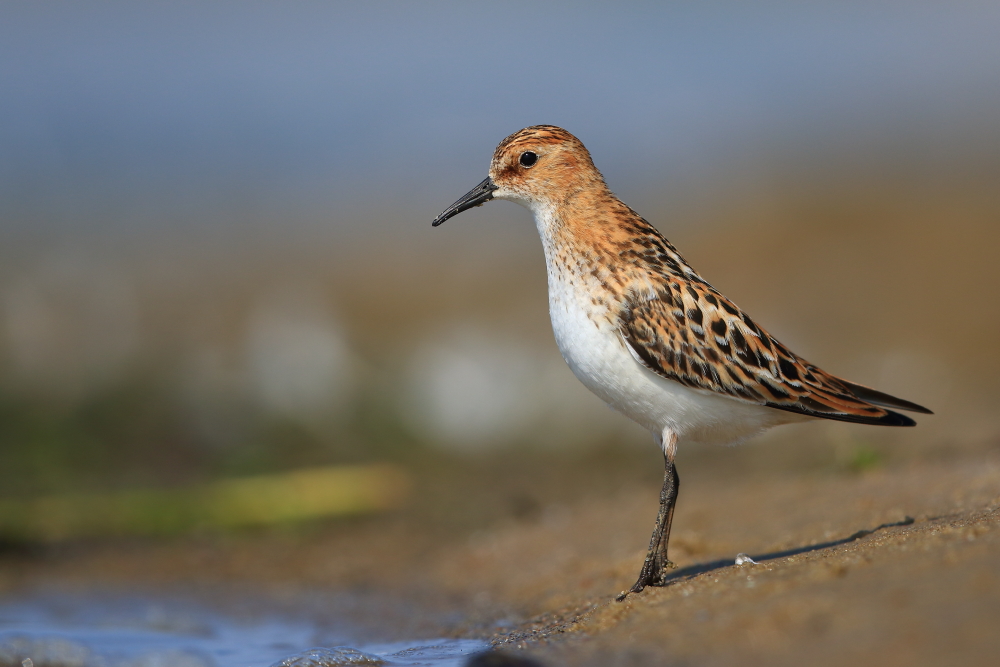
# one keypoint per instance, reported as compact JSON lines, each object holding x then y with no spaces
{"x":538,"y":166}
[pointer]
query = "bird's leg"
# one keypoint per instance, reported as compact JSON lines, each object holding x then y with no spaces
{"x":654,"y":568}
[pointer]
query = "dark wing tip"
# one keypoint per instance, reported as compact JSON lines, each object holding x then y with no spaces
{"x":890,"y":418}
{"x":895,"y":419}
{"x":876,"y":397}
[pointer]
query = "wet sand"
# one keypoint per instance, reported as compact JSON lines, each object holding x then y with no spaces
{"x":899,"y":564}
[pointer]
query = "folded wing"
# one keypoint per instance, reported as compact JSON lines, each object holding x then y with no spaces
{"x":686,"y":331}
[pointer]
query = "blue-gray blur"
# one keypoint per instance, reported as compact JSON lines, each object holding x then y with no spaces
{"x":121,"y":112}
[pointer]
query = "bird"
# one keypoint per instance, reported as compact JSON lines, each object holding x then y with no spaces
{"x":641,"y":329}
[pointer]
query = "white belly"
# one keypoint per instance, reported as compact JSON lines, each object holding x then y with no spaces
{"x":595,"y":352}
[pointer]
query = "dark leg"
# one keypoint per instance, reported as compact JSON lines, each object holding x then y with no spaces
{"x":654,"y":568}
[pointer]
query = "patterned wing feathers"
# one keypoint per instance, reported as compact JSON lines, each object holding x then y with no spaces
{"x":688,"y":332}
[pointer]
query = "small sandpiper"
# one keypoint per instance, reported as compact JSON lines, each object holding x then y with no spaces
{"x":642,"y":330}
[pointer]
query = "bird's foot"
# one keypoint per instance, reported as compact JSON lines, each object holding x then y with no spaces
{"x":653,"y":573}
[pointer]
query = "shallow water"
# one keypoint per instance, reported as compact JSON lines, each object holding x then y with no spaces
{"x":90,"y":630}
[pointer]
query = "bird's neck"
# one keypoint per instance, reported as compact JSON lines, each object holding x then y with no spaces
{"x":589,"y":223}
{"x":582,"y":235}
{"x":595,"y":237}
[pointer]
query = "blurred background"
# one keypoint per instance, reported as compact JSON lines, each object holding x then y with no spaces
{"x":216,"y":255}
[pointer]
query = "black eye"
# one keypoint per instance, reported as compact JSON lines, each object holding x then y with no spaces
{"x":528,"y":159}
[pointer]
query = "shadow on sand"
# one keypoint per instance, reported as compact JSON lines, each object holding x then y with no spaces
{"x":701,"y":568}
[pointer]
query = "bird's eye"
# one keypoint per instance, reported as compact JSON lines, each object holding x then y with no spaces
{"x":528,"y":159}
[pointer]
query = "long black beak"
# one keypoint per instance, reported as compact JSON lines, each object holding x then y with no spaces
{"x":477,"y":196}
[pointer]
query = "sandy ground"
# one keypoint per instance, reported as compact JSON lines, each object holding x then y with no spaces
{"x":898,"y":565}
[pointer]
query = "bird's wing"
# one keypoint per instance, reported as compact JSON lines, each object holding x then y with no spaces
{"x":686,"y":331}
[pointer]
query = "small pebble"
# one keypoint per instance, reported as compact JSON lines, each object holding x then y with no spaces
{"x":744,"y":559}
